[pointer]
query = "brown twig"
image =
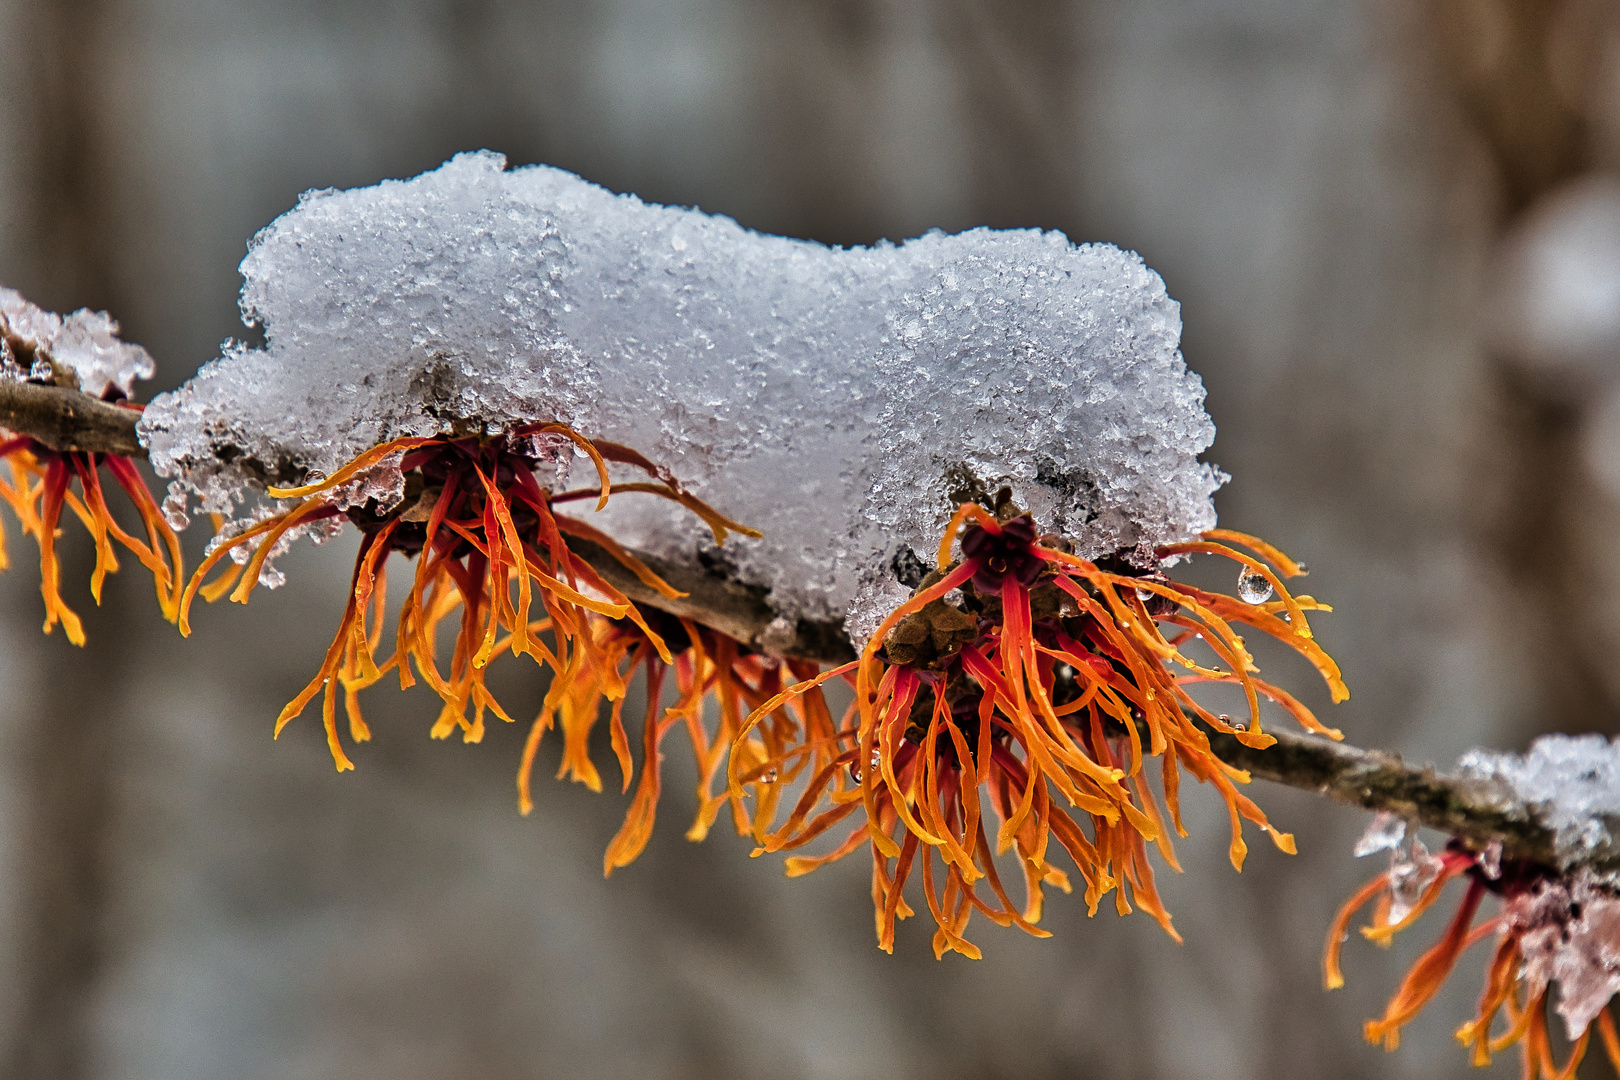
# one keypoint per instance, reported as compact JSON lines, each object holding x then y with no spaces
{"x":65,"y":419}
{"x":1477,"y":811}
{"x":736,"y":610}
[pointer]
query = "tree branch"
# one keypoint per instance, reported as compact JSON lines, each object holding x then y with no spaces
{"x":65,"y":419}
{"x":1477,"y":811}
{"x":736,"y":610}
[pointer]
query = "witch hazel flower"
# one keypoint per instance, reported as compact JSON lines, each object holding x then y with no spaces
{"x":1551,"y":927}
{"x":490,"y":545}
{"x":78,"y":352}
{"x":978,"y":454}
{"x":1555,"y":923}
{"x":1020,"y":679}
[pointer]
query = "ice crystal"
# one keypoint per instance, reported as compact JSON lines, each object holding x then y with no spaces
{"x":841,"y":400}
{"x":1384,"y":833}
{"x":1410,"y":875}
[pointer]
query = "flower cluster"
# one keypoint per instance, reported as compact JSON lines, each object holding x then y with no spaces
{"x":1019,"y":680}
{"x":41,"y":479}
{"x":1552,"y":926}
{"x":490,"y":543}
{"x":41,"y":487}
{"x":1011,"y":705}
{"x":1024,"y":680}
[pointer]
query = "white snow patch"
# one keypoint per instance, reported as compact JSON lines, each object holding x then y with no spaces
{"x":1575,"y":779}
{"x":85,"y":342}
{"x":833,"y":398}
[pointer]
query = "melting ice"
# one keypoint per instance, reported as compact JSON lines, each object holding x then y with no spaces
{"x":1571,"y":934}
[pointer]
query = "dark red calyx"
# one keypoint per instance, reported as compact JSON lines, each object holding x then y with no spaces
{"x":997,"y":557}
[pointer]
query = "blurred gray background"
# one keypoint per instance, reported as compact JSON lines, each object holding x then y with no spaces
{"x":1395,"y":232}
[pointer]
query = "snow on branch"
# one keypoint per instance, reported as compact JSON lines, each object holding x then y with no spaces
{"x":628,"y":440}
{"x":1476,"y":805}
{"x":841,"y":390}
{"x":841,"y":396}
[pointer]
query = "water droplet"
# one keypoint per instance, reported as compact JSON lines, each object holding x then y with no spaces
{"x":1490,"y":860}
{"x":877,"y":758}
{"x":1253,"y":588}
{"x":1302,"y":568}
{"x":769,"y":776}
{"x":1144,"y":595}
{"x":854,"y":772}
{"x":1223,"y":718}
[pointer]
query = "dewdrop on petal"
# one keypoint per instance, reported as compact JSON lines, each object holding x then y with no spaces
{"x":1253,"y":588}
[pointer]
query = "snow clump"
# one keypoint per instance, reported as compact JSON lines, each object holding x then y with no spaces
{"x":1575,"y":779}
{"x":840,"y":400}
{"x":84,"y":346}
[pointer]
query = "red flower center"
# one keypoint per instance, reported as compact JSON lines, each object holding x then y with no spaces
{"x":997,"y":556}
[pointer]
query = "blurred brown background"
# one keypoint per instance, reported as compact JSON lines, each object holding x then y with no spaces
{"x":1395,"y":231}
